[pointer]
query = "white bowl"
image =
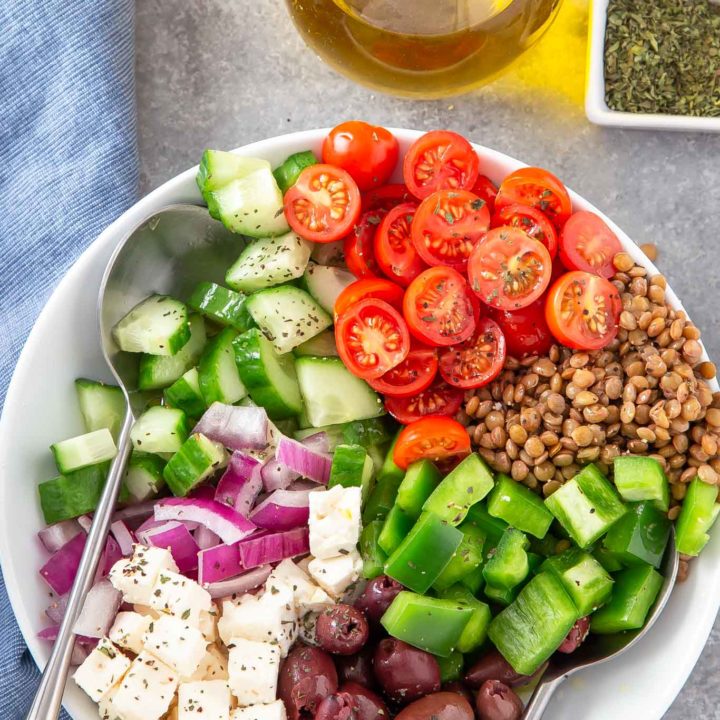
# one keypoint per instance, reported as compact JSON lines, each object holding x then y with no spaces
{"x":597,"y":109}
{"x":41,"y":408}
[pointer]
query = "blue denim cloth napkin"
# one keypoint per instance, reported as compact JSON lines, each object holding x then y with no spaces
{"x":68,"y":167}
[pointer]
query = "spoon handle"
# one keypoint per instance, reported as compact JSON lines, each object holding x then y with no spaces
{"x":541,"y":697}
{"x":48,"y":698}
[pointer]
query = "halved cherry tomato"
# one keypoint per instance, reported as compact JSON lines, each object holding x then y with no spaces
{"x":371,"y":287}
{"x":358,"y":246}
{"x":386,"y":197}
{"x":371,"y":338}
{"x":411,"y":376}
{"x":437,"y":160}
{"x":368,"y":152}
{"x":438,"y":399}
{"x":448,"y":225}
{"x":478,"y":360}
{"x":438,"y":308}
{"x":537,"y":188}
{"x":531,"y":221}
{"x":587,"y":243}
{"x":431,"y":437}
{"x":394,"y":250}
{"x":509,"y":270}
{"x":526,"y":331}
{"x":485,"y":189}
{"x":582,"y":310}
{"x":324,"y":203}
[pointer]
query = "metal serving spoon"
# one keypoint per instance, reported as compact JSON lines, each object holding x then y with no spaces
{"x":168,"y":253}
{"x":600,"y":648}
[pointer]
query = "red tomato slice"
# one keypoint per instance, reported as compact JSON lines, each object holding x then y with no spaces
{"x":411,"y":376}
{"x":531,"y":221}
{"x":371,"y":338}
{"x":358,"y":246}
{"x":324,"y":203}
{"x":433,"y":437}
{"x":526,"y":331}
{"x":587,"y":243}
{"x":438,"y":399}
{"x":394,"y":250}
{"x":368,"y":152}
{"x":448,"y":225}
{"x":477,"y":361}
{"x":509,"y":270}
{"x":440,"y":159}
{"x":386,"y":197}
{"x":582,"y":310}
{"x":537,"y":188}
{"x":485,"y":189}
{"x":438,"y":308}
{"x":371,"y":287}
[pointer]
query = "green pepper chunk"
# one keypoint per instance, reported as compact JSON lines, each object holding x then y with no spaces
{"x":381,"y":499}
{"x":421,"y":478}
{"x":519,"y":506}
{"x":699,"y":511}
{"x":468,"y":557}
{"x":500,"y":595}
{"x":509,"y":565}
{"x":641,"y":478}
{"x":492,"y":527}
{"x":286,"y":175}
{"x":635,"y":591}
{"x":451,"y":667}
{"x":424,"y":553}
{"x":475,"y":632}
{"x":608,"y":559}
{"x":431,"y":624}
{"x":372,"y":554}
{"x":641,"y":535}
{"x":462,"y":487}
{"x":389,"y":469}
{"x":395,"y":529}
{"x":474,"y":580}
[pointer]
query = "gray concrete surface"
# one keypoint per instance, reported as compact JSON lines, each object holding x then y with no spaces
{"x":222,"y":73}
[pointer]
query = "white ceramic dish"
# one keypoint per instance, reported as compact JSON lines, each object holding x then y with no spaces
{"x":597,"y":109}
{"x":41,"y":408}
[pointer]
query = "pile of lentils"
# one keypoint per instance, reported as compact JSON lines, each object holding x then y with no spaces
{"x":543,"y":418}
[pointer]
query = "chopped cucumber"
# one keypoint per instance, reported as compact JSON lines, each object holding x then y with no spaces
{"x":144,"y":476}
{"x":101,"y":406}
{"x":156,"y":326}
{"x":368,"y":433}
{"x":84,"y":450}
{"x":268,"y":262}
{"x":218,"y":373}
{"x":197,"y":459}
{"x":331,"y":253}
{"x":185,"y":394}
{"x":157,"y":372}
{"x":287,"y":316}
{"x":269,"y":378}
{"x":519,"y":506}
{"x":288,"y":173}
{"x":325,"y":283}
{"x":332,"y":394}
{"x":159,"y":430}
{"x":641,"y":478}
{"x":218,"y":168}
{"x":351,"y":467}
{"x":320,"y":345}
{"x":223,"y":306}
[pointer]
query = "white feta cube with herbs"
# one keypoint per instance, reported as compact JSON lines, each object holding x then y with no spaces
{"x":135,"y":576}
{"x":213,"y":666}
{"x":176,"y":643}
{"x":128,"y":630}
{"x":103,"y":668}
{"x":177,"y":595}
{"x":336,"y":574}
{"x":308,"y":596}
{"x":334,"y":521}
{"x":269,"y":711}
{"x":208,"y":623}
{"x":253,"y":671}
{"x":205,"y":700}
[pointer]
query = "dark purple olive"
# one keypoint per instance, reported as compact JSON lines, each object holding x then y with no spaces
{"x":356,"y":668}
{"x":377,"y":596}
{"x":341,"y":629}
{"x":369,"y":705}
{"x":575,"y":638}
{"x":438,"y":706}
{"x":404,"y":672}
{"x":496,"y":701}
{"x":493,"y":666}
{"x":307,"y":676}
{"x":460,"y":688}
{"x":338,"y":706}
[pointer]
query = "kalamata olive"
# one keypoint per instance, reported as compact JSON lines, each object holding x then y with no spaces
{"x":575,"y":638}
{"x":338,"y":706}
{"x":460,"y":688}
{"x":356,"y":668}
{"x":404,"y":672}
{"x":306,"y":677}
{"x":496,"y":701}
{"x":493,"y":666}
{"x":369,"y":705}
{"x":341,"y":629}
{"x":438,"y":706}
{"x":377,"y":596}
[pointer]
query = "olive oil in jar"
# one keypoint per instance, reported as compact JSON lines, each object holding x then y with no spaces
{"x":421,"y":48}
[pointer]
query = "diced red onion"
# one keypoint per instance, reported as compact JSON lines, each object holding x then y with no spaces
{"x":203,"y":492}
{"x":274,"y":547}
{"x":223,"y":520}
{"x":54,"y":536}
{"x":60,"y":569}
{"x":283,"y":510}
{"x":310,"y":464}
{"x":175,"y":537}
{"x":85,"y":521}
{"x":276,"y":476}
{"x":319,"y":442}
{"x":134,"y":515}
{"x":124,"y":537}
{"x":99,"y":610}
{"x":56,"y":609}
{"x":218,"y":563}
{"x":79,"y":654}
{"x":110,"y":555}
{"x":241,"y":483}
{"x":206,"y":538}
{"x":50,"y":634}
{"x":236,"y":427}
{"x":240,"y":584}
{"x":303,"y":484}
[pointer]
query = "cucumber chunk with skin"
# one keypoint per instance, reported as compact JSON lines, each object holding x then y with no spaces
{"x":218,"y":373}
{"x":101,"y":406}
{"x":287,"y":174}
{"x":185,"y":394}
{"x":325,"y":283}
{"x":79,"y":452}
{"x":221,"y":305}
{"x":320,"y":345}
{"x":641,"y":478}
{"x":144,"y":476}
{"x":159,"y":430}
{"x":156,"y":326}
{"x":197,"y":459}
{"x":352,"y":467}
{"x":219,"y":167}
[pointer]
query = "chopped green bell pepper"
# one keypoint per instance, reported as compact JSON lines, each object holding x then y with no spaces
{"x":641,"y":535}
{"x":451,"y":667}
{"x":394,"y":530}
{"x":509,"y":565}
{"x":641,"y":478}
{"x":699,"y":511}
{"x":519,"y":506}
{"x":421,"y":478}
{"x":424,"y":553}
{"x":373,"y":555}
{"x":492,"y":527}
{"x":475,"y":632}
{"x":352,"y":467}
{"x":381,"y":499}
{"x":608,"y":559}
{"x":474,"y":580}
{"x":389,"y":469}
{"x":546,"y":546}
{"x":535,"y":560}
{"x":467,"y":557}
{"x":500,"y":595}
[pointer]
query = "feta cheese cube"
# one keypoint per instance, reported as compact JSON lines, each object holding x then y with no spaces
{"x":177,"y":644}
{"x":336,"y":574}
{"x":135,"y":577}
{"x":308,"y":596}
{"x":145,"y":610}
{"x":177,"y":595}
{"x":270,"y":711}
{"x":334,"y":521}
{"x":213,"y":666}
{"x":146,"y":691}
{"x":253,"y":669}
{"x":104,"y":667}
{"x":207,"y":700}
{"x":128,"y":630}
{"x":208,"y":623}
